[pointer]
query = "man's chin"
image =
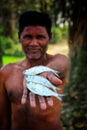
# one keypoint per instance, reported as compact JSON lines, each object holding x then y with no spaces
{"x":33,"y":57}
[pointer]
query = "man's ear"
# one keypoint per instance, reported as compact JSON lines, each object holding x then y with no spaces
{"x":50,"y":36}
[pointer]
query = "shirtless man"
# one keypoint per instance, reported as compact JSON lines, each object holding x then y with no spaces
{"x":19,"y":108}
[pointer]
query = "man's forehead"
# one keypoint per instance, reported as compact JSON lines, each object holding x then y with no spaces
{"x":35,"y":29}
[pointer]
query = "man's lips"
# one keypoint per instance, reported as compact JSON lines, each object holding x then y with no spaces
{"x":33,"y":49}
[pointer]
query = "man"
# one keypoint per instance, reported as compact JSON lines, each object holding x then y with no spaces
{"x":20,"y":109}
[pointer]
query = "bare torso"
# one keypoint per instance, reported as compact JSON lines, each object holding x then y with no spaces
{"x":23,"y":117}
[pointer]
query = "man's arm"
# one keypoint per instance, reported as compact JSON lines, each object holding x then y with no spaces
{"x":59,"y":63}
{"x":4,"y":105}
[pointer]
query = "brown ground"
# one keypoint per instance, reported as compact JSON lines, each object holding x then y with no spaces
{"x":61,"y":47}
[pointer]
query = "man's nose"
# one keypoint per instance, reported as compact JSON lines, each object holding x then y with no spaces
{"x":34,"y":42}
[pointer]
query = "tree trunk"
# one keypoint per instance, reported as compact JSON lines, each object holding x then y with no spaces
{"x":75,"y":106}
{"x":9,"y":23}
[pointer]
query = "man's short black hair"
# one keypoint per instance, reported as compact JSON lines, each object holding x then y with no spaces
{"x":35,"y":18}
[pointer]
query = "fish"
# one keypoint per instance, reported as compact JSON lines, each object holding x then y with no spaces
{"x":39,"y":69}
{"x":41,"y":90}
{"x":41,"y":80}
{"x":40,"y":85}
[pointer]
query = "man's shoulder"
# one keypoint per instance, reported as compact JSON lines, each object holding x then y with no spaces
{"x":60,"y":57}
{"x":59,"y":62}
{"x":7,"y":69}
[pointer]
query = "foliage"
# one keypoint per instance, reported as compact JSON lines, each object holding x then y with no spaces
{"x":6,"y":43}
{"x":10,"y":46}
{"x":14,"y":51}
{"x":59,"y":34}
{"x":10,"y":59}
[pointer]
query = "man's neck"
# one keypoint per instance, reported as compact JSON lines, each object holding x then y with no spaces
{"x":41,"y":61}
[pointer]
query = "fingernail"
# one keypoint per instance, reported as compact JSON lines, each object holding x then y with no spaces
{"x":23,"y":101}
{"x":50,"y":101}
{"x":43,"y":106}
{"x":32,"y":104}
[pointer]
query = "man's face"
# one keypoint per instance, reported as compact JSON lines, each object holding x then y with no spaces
{"x":34,"y":41}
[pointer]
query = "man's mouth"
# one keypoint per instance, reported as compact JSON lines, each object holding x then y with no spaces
{"x":33,"y":50}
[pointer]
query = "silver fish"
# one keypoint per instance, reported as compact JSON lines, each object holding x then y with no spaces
{"x":41,"y":80}
{"x":39,"y":69}
{"x":42,"y":90}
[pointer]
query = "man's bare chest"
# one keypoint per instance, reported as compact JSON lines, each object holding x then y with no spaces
{"x":14,"y":86}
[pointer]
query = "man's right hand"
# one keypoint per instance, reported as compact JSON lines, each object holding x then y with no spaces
{"x":42,"y":100}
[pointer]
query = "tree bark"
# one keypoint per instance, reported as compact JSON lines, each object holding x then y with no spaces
{"x":75,"y":103}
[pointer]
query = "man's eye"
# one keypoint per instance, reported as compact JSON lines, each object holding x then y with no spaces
{"x":27,"y":36}
{"x":40,"y":37}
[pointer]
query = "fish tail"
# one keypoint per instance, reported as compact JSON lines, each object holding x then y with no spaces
{"x":59,"y":96}
{"x":57,"y":88}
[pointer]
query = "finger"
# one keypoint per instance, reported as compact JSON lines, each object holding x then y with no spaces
{"x":44,"y":74}
{"x":32,"y":99}
{"x":25,"y":92}
{"x":50,"y":101}
{"x":42,"y":102}
{"x":53,"y":79}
